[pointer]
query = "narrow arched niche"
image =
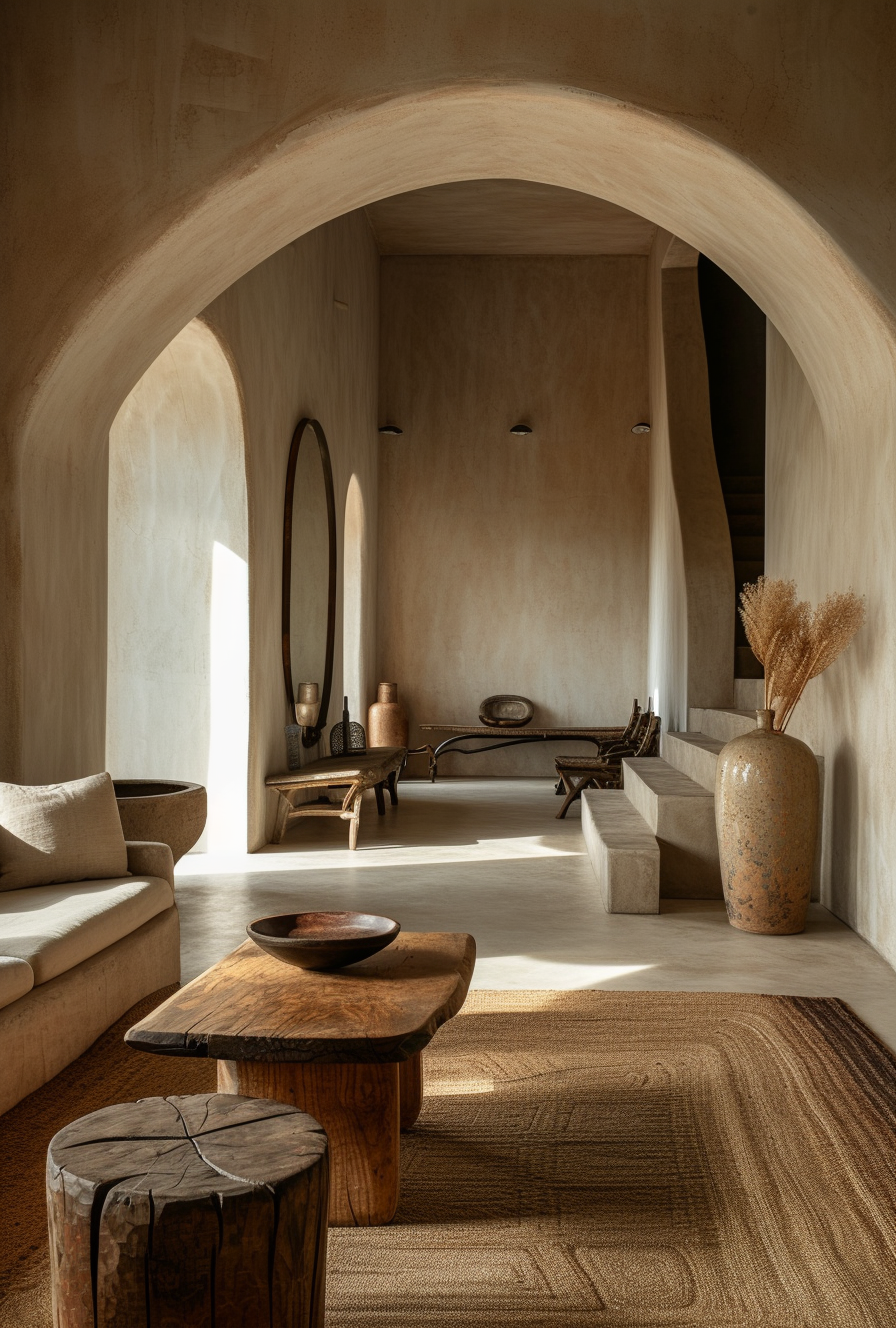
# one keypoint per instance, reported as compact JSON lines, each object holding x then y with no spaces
{"x":356,"y":683}
{"x":177,"y":701}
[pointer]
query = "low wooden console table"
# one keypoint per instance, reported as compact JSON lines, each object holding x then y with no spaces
{"x":376,"y":768}
{"x":506,"y":738}
{"x":344,"y":1046}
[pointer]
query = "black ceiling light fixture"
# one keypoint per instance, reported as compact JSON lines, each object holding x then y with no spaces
{"x":520,"y":430}
{"x":641,"y":428}
{"x":392,"y":430}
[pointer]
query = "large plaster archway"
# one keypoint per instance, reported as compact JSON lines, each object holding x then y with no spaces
{"x":305,"y":174}
{"x":840,"y":334}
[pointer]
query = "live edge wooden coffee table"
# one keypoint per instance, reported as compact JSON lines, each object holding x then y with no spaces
{"x":343,"y":1045}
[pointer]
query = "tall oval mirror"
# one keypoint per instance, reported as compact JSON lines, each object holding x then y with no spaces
{"x":309,"y":574}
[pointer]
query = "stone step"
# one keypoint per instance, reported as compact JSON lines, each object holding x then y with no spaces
{"x":743,"y":484}
{"x":623,"y":852}
{"x":749,"y":693}
{"x":694,"y":754}
{"x":721,"y":724}
{"x":746,"y":665}
{"x":681,"y":814}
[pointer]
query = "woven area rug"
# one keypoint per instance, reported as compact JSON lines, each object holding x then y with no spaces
{"x":583,"y":1158}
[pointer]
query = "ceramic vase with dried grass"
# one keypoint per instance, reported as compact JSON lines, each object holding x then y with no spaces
{"x":767,"y":822}
{"x":767,"y":783}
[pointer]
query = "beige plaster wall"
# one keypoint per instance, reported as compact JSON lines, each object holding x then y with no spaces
{"x":667,"y":670}
{"x":177,"y":698}
{"x":152,"y":160}
{"x":298,"y":352}
{"x":691,"y":570}
{"x":513,"y":564}
{"x":829,"y":525}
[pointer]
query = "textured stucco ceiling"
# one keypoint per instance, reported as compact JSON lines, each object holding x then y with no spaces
{"x":505,"y":217}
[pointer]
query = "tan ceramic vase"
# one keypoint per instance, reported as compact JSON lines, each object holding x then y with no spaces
{"x":387,"y":721}
{"x":767,"y":823}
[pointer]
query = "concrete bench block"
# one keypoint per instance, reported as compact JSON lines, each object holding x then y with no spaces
{"x":681,"y":814}
{"x":623,"y":852}
{"x":749,"y":693}
{"x":694,"y":754}
{"x":721,"y":724}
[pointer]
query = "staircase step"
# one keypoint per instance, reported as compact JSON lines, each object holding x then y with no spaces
{"x":747,"y":546}
{"x":721,"y":724}
{"x":749,"y":693}
{"x":746,"y":665}
{"x":747,"y":570}
{"x":744,"y":502}
{"x":694,"y":754}
{"x":681,"y":814}
{"x":623,"y":852}
{"x":743,"y":484}
{"x":746,"y":523}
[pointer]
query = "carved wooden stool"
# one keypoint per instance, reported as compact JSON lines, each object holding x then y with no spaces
{"x":189,"y":1211}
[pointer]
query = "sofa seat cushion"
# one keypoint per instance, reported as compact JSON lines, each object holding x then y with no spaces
{"x":16,"y":979}
{"x":55,"y":833}
{"x":55,"y":927}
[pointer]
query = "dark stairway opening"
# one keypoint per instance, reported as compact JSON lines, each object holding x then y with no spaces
{"x":734,"y":332}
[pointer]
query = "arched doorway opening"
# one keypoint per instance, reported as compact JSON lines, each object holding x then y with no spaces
{"x":177,"y":701}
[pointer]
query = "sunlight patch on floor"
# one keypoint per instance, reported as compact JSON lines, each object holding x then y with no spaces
{"x":272,"y":859}
{"x":505,"y":972}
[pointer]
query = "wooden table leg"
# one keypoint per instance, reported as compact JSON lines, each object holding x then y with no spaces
{"x":284,"y":807}
{"x":358,"y":1106}
{"x":380,"y":800}
{"x":354,"y":818}
{"x":392,"y":785}
{"x":410,"y":1084}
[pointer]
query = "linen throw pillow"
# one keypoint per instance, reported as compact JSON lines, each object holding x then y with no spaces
{"x":50,"y":833}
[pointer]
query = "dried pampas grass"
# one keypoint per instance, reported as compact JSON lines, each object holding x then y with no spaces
{"x":792,"y":641}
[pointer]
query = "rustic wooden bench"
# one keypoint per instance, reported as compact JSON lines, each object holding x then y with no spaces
{"x":376,"y":768}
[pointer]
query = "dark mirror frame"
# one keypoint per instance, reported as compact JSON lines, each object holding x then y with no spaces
{"x":310,"y":736}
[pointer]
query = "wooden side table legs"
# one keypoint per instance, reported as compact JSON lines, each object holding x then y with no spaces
{"x":410,"y":1083}
{"x":358,"y":1106}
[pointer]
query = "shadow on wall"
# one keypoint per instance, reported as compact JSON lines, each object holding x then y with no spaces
{"x":178,"y":646}
{"x":844,"y":832}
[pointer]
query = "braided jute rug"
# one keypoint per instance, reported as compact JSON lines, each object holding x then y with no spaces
{"x":587,"y":1158}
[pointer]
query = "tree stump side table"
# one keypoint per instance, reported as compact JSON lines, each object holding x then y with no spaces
{"x":183,"y":1212}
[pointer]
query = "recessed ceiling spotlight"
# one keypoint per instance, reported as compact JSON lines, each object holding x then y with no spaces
{"x":520,"y":430}
{"x":640,"y":428}
{"x":391,"y":429}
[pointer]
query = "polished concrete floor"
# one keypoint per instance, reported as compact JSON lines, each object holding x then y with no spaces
{"x":488,"y":857}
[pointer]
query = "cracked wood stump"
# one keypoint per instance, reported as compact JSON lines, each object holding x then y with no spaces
{"x":181,"y":1212}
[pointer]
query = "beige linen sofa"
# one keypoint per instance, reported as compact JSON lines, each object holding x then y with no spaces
{"x":75,"y":954}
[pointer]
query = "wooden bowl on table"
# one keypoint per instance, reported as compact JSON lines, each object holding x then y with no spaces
{"x":323,"y":940}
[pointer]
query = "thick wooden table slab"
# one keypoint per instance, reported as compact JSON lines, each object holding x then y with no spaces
{"x":343,"y":1046}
